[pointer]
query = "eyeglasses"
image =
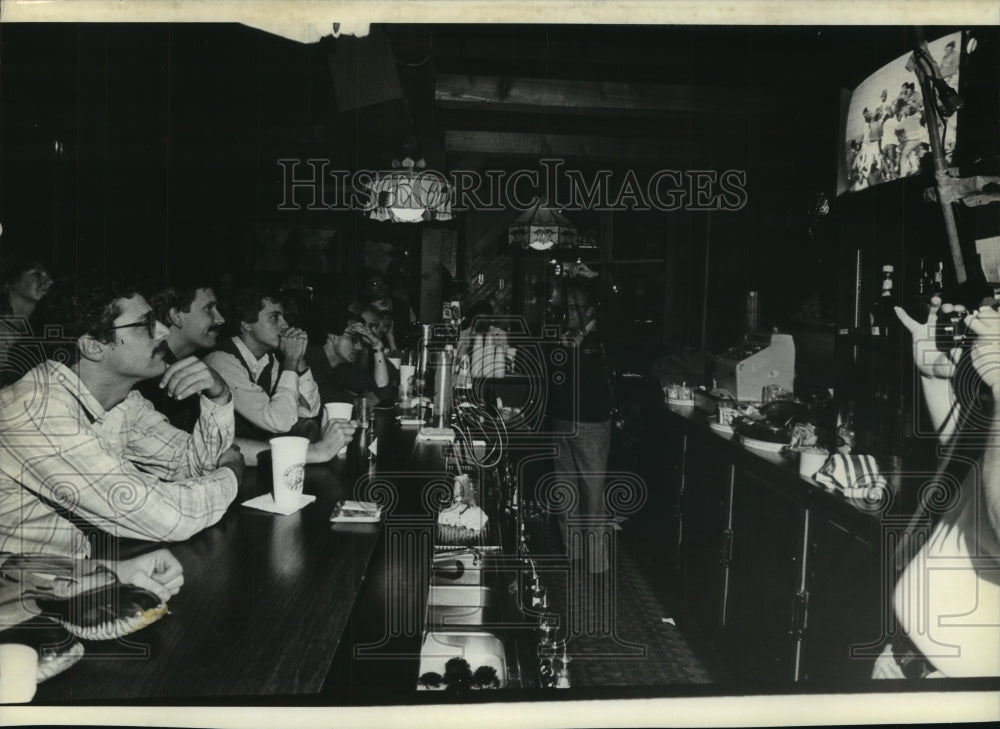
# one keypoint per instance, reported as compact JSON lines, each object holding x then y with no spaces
{"x":149,"y":321}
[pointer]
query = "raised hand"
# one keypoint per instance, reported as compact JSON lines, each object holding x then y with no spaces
{"x":366,"y":333}
{"x":189,"y":376}
{"x":292,"y":346}
{"x":930,"y":361}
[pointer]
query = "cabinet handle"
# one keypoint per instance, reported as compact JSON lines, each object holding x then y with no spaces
{"x":727,"y":547}
{"x":800,"y":610}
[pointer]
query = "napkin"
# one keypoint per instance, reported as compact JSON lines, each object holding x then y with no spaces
{"x":265,"y":502}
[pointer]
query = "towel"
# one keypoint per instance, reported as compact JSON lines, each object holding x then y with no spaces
{"x":855,"y":476}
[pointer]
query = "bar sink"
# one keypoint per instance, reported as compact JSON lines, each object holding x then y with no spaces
{"x":460,"y":595}
{"x":465,"y":567}
{"x":485,"y":662}
{"x":450,"y":605}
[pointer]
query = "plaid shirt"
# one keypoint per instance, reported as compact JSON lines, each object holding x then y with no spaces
{"x":125,"y":470}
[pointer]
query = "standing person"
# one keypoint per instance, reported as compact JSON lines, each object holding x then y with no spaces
{"x":949,"y":64}
{"x":947,"y":599}
{"x":890,"y":142}
{"x":912,"y":134}
{"x":580,"y":410}
{"x":191,"y":312}
{"x":24,"y":282}
{"x":84,"y":453}
{"x":270,"y":393}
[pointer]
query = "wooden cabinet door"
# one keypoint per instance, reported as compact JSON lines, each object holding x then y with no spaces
{"x":704,"y":526}
{"x":844,"y":622}
{"x":764,"y":607}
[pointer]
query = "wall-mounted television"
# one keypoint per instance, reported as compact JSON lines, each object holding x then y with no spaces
{"x":885,"y":133}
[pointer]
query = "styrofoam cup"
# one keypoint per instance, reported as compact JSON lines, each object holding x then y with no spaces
{"x":339,"y":410}
{"x":810,"y":463}
{"x":406,"y":381}
{"x":18,"y":673}
{"x":288,"y":464}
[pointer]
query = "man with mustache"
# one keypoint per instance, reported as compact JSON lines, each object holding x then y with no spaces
{"x":83,"y":453}
{"x":190,"y":310}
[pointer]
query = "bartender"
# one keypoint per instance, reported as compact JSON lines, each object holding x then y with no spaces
{"x":580,"y":408}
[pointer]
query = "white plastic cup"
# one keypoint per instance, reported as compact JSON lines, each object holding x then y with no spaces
{"x":288,"y":464}
{"x":406,"y":380}
{"x":810,"y":463}
{"x":339,"y":410}
{"x":18,"y":673}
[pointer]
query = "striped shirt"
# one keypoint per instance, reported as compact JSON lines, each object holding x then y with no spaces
{"x":68,"y":467}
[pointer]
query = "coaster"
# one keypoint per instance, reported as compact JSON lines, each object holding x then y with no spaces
{"x":265,"y":502}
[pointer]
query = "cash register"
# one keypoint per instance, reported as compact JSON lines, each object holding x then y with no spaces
{"x":761,"y":359}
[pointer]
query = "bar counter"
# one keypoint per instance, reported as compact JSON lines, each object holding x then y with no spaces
{"x":267,"y":599}
{"x":784,"y":578}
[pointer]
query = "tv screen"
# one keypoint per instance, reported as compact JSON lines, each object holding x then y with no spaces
{"x":885,"y":132}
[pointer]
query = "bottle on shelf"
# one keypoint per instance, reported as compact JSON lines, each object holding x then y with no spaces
{"x":922,"y":291}
{"x":937,"y":280}
{"x":882,"y":316}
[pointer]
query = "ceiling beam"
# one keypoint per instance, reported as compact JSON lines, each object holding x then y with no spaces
{"x":648,"y":152}
{"x":532,"y":94}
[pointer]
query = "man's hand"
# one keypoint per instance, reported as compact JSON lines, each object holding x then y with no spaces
{"x":232,"y":459}
{"x":292,"y":346}
{"x":159,"y":572}
{"x":336,"y":434}
{"x":189,"y":376}
{"x":930,"y":361}
{"x":886,"y":666}
{"x":985,"y":352}
{"x":367,"y":334}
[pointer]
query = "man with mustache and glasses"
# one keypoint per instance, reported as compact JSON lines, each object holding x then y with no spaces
{"x":191,"y":312}
{"x":83,"y":453}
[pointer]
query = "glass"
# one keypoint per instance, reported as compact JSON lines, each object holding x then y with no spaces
{"x":149,"y":321}
{"x":364,"y":410}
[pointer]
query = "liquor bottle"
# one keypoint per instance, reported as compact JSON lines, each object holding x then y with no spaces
{"x":463,"y":381}
{"x":923,"y":291}
{"x":937,"y":280}
{"x":882,"y":316}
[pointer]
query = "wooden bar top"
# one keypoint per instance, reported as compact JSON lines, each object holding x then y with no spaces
{"x":265,"y":601}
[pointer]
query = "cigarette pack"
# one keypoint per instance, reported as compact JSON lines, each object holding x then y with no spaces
{"x":356,"y":511}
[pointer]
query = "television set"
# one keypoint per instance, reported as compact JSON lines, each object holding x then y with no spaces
{"x":885,"y":132}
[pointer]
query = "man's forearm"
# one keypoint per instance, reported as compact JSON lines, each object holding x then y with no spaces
{"x":991,"y":470}
{"x":381,"y":370}
{"x":941,"y":404}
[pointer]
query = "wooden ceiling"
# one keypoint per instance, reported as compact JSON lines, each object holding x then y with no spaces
{"x":630,"y":95}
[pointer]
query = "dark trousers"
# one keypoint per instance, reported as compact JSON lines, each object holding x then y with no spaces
{"x":582,"y":461}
